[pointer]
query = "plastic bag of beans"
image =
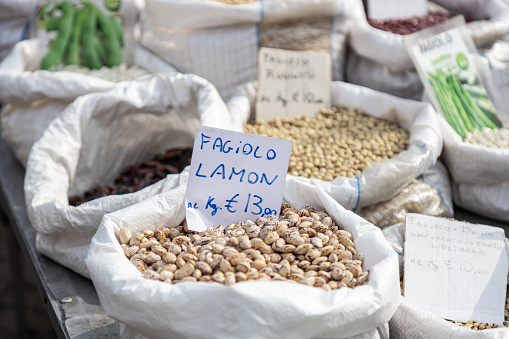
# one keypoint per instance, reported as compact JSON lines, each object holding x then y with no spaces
{"x":250,"y":309}
{"x":99,"y":141}
{"x":352,"y":180}
{"x":479,"y":169}
{"x":378,"y":59}
{"x":409,"y":321}
{"x":32,"y":98}
{"x":219,"y":40}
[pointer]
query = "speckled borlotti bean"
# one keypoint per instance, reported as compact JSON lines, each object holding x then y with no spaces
{"x":301,"y":246}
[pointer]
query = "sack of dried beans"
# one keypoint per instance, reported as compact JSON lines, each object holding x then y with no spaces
{"x":160,"y":280}
{"x":219,"y":40}
{"x":110,"y":150}
{"x":363,"y":151}
{"x":378,"y":57}
{"x":34,"y":97}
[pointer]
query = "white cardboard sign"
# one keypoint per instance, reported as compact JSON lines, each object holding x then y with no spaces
{"x":455,"y":269}
{"x":396,"y":9}
{"x":234,"y":177}
{"x":292,"y":83}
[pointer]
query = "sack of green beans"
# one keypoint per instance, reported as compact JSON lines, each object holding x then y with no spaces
{"x":364,"y":151}
{"x":410,"y":321}
{"x":32,"y":97}
{"x":105,"y":148}
{"x":378,"y":57}
{"x":270,"y":300}
{"x":479,"y":168}
{"x":219,"y":40}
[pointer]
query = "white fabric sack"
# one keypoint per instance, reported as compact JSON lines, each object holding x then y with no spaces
{"x":97,"y":136}
{"x":480,"y":175}
{"x":35,"y":97}
{"x":14,"y":19}
{"x":382,"y":180}
{"x":249,"y":309}
{"x":410,"y":322}
{"x":430,"y":194}
{"x":220,"y":41}
{"x":378,"y":59}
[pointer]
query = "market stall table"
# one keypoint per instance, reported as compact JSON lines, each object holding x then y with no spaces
{"x":70,"y":299}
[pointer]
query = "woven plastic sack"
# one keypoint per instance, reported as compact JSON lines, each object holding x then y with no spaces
{"x":380,"y":181}
{"x":220,"y":41}
{"x":253,"y":309}
{"x":33,"y":97}
{"x":379,"y":59}
{"x":14,"y":18}
{"x":430,"y":194}
{"x":480,"y":175}
{"x":97,"y":136}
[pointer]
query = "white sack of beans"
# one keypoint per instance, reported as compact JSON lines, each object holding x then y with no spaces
{"x":411,"y":322}
{"x":252,"y":309}
{"x":220,"y":41}
{"x":382,"y":180}
{"x":32,"y":98}
{"x":96,"y":137}
{"x":479,"y":174}
{"x":378,"y":59}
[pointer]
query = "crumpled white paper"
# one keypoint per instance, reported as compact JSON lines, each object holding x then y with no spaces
{"x":97,"y":136}
{"x":249,"y":309}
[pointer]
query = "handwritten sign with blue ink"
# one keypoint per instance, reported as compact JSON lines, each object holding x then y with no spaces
{"x":292,"y":83}
{"x":234,"y":177}
{"x":455,"y":269}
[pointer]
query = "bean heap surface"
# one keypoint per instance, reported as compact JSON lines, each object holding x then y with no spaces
{"x":136,"y":177}
{"x":410,"y":25}
{"x":312,"y":34}
{"x":114,"y":74}
{"x":337,"y":142}
{"x":496,"y":138}
{"x":299,"y":246}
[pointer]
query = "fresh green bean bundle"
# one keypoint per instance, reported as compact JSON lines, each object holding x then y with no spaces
{"x":465,"y":107}
{"x":86,"y":36}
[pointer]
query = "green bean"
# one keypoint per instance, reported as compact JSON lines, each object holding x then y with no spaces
{"x":64,"y":32}
{"x":73,"y":50}
{"x":114,"y":56}
{"x":90,"y":53}
{"x":51,"y":24}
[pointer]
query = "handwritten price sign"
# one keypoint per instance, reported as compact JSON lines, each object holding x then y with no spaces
{"x":292,"y":83}
{"x":454,"y":269}
{"x":234,"y":177}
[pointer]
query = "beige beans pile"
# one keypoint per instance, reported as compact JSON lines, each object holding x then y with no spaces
{"x":337,"y":142}
{"x":496,"y":138}
{"x":301,"y":246}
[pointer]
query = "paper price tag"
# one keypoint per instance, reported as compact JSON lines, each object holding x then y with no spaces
{"x":396,"y":9}
{"x":292,"y":83}
{"x":234,"y":177}
{"x":455,"y":269}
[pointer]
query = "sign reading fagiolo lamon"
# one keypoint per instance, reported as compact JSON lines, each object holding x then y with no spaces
{"x":443,"y":55}
{"x":234,"y":177}
{"x":292,"y":83}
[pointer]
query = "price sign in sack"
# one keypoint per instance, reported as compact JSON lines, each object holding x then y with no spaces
{"x":234,"y":176}
{"x":443,"y":55}
{"x":455,"y":269}
{"x":292,"y":83}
